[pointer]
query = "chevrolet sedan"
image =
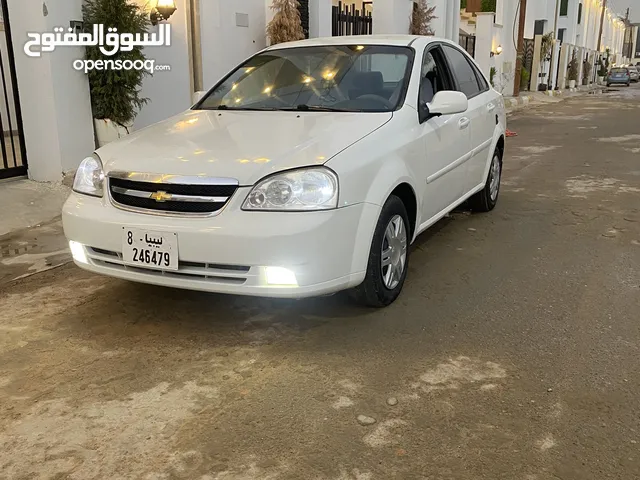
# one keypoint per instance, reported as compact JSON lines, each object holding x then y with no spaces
{"x":307,"y":170}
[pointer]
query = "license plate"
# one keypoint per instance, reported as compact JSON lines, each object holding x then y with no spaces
{"x":149,"y":249}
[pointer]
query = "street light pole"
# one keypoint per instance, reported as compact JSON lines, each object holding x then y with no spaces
{"x":604,"y":9}
{"x":520,"y":52}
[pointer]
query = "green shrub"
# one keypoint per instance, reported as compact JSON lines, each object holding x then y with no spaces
{"x":492,"y":75}
{"x":524,"y":78}
{"x":488,"y":5}
{"x":115,"y":94}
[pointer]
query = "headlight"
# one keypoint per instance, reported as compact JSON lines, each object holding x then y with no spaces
{"x":89,"y":178}
{"x":314,"y":188}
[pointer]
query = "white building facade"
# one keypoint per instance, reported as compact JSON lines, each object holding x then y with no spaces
{"x":574,"y":25}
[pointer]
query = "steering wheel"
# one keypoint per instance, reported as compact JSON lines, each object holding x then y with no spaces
{"x":376,"y":98}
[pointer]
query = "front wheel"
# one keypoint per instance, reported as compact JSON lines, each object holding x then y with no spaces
{"x":487,"y":198}
{"x":388,"y":259}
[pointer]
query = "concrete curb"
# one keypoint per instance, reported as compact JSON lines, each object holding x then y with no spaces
{"x":550,"y":96}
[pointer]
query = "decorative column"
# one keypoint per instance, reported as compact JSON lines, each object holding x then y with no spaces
{"x":320,"y":18}
{"x":564,"y":62}
{"x":392,"y":16}
{"x":484,"y":41}
{"x":535,"y":65}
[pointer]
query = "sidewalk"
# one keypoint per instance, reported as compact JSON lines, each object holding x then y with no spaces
{"x":31,"y":236}
{"x":552,"y":96}
{"x":26,"y":203}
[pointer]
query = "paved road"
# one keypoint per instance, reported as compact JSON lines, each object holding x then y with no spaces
{"x":514,"y":352}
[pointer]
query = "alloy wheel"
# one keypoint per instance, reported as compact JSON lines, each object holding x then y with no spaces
{"x":394,"y":252}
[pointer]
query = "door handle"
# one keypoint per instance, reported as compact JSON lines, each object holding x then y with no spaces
{"x":463,"y":123}
{"x":491,"y":107}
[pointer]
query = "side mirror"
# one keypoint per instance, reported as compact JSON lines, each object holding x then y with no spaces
{"x":197,"y":96}
{"x":444,"y":103}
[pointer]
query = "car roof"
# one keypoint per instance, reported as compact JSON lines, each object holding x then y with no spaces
{"x":392,"y":40}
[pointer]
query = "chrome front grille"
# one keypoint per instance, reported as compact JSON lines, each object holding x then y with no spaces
{"x":170,"y":194}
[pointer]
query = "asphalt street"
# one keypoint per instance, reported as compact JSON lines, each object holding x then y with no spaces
{"x":513,"y":353}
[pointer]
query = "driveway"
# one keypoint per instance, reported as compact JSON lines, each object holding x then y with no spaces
{"x":513,"y":353}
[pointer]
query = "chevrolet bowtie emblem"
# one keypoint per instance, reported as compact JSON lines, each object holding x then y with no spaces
{"x":161,"y":196}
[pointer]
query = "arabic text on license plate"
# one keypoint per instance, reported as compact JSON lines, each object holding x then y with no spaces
{"x":148,"y":249}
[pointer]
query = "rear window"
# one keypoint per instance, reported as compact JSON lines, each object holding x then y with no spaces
{"x":619,"y":70}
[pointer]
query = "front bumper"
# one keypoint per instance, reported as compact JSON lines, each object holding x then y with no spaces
{"x":230,"y":253}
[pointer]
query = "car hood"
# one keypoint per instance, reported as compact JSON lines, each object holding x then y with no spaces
{"x":243,"y":145}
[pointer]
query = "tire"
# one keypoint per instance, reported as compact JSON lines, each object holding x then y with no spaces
{"x":376,"y":291}
{"x":487,"y":198}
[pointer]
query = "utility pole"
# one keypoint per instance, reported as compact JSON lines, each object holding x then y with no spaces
{"x":520,"y":53}
{"x":627,"y":35}
{"x":604,"y":9}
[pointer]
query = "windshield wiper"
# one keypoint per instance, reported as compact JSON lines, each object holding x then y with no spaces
{"x":319,"y":108}
{"x":248,"y":109}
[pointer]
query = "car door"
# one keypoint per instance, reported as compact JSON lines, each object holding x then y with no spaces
{"x":481,"y":113}
{"x":444,"y":141}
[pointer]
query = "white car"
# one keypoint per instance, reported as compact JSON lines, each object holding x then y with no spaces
{"x":307,"y":170}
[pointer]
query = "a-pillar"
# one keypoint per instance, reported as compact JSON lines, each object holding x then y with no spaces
{"x":54,"y":97}
{"x":484,"y":41}
{"x":320,"y":15}
{"x":392,"y":16}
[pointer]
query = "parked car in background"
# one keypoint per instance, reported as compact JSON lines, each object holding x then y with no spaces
{"x":307,"y":170}
{"x":619,"y":76}
{"x":634,"y":73}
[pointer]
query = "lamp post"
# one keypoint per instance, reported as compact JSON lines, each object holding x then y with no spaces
{"x":162,"y":11}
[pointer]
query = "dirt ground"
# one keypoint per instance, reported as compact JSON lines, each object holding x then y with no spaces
{"x":513,"y":353}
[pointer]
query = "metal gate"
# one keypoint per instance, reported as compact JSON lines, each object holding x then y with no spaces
{"x":303,"y":8}
{"x":14,"y":158}
{"x":527,"y":63}
{"x":348,"y":20}
{"x":468,"y":42}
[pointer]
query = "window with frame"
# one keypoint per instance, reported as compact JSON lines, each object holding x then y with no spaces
{"x":463,"y":72}
{"x":433,"y":76}
{"x":579,"y":13}
{"x":564,"y":8}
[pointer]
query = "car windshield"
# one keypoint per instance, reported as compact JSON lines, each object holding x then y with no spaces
{"x":619,"y":70}
{"x":343,"y":78}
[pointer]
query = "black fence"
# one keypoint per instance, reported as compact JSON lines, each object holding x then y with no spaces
{"x":468,"y":42}
{"x":12,"y":147}
{"x":527,"y":62}
{"x":348,"y":20}
{"x":303,"y":8}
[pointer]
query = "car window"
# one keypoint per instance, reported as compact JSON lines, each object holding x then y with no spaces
{"x":433,"y":76}
{"x":463,"y":72}
{"x":352,"y":78}
{"x":393,"y":67}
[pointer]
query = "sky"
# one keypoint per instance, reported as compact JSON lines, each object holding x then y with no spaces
{"x":620,"y":6}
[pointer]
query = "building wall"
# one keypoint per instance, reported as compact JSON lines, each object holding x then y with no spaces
{"x":55,"y":102}
{"x":224,"y":44}
{"x":169,"y":92}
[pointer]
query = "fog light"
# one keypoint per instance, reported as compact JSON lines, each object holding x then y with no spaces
{"x":281,"y":276}
{"x":78,"y":252}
